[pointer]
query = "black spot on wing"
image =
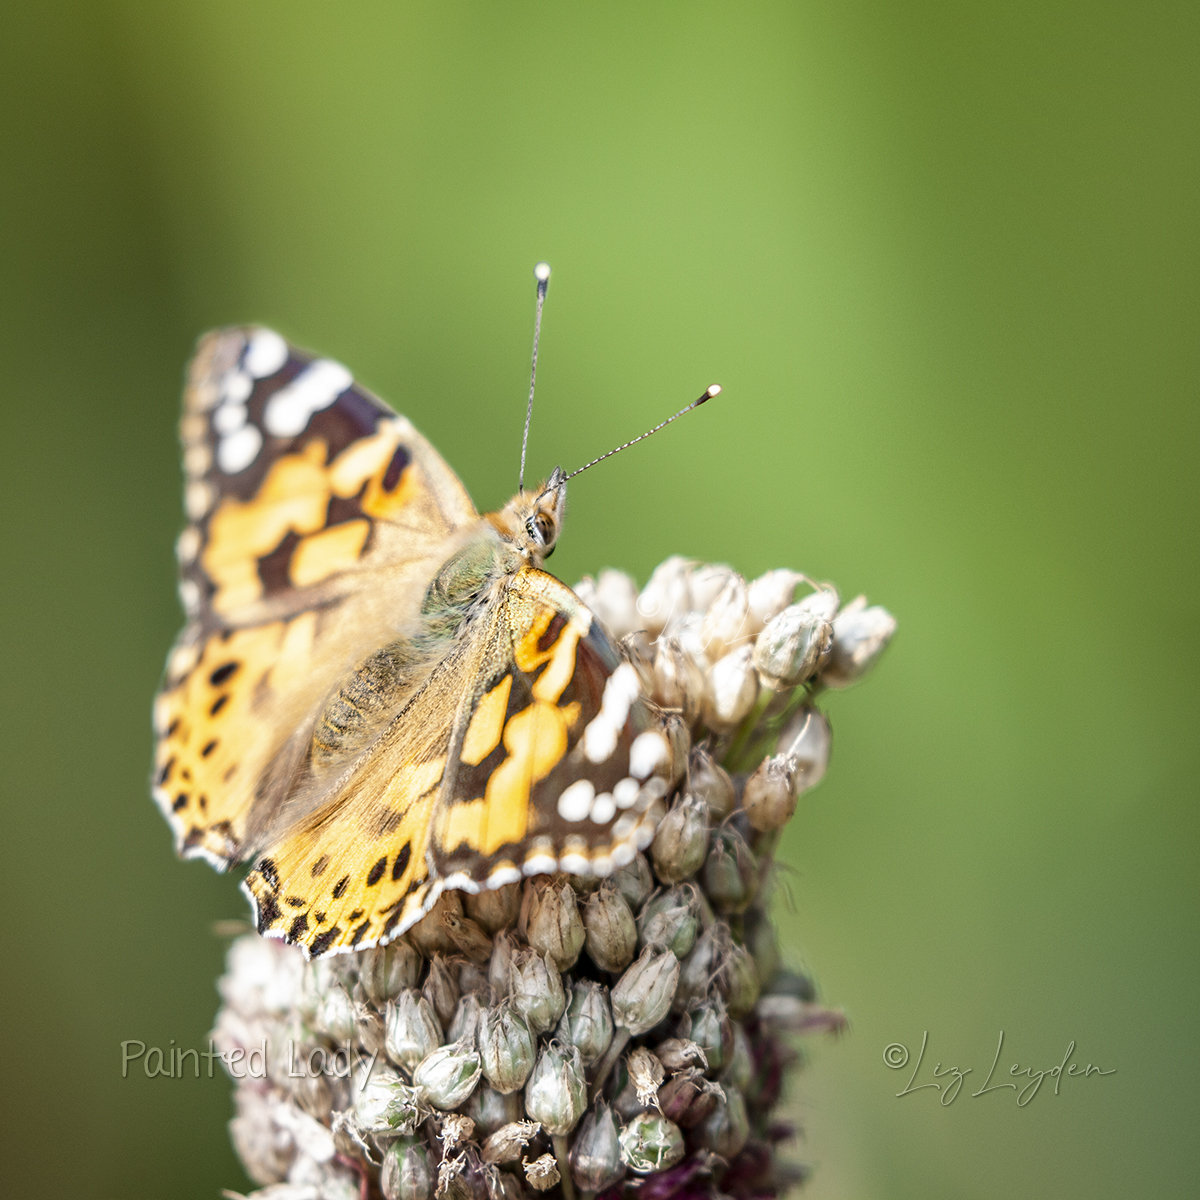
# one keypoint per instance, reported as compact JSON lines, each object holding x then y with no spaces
{"x":391,"y":477}
{"x":376,"y":872}
{"x":319,"y":866}
{"x":179,"y":802}
{"x":340,"y":887}
{"x":218,"y":704}
{"x":322,"y":941}
{"x":551,"y":633}
{"x":296,"y":901}
{"x":268,"y":913}
{"x":354,"y":940}
{"x":208,"y":748}
{"x":402,"y":858}
{"x":298,"y":929}
{"x":390,"y":923}
{"x":267,"y":870}
{"x":353,"y":415}
{"x":165,"y":773}
{"x":273,"y":568}
{"x":222,"y":673}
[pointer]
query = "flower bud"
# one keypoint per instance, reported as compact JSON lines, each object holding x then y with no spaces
{"x":708,"y":780}
{"x":680,"y":840}
{"x":506,"y":1048}
{"x":537,"y":990}
{"x":611,"y":933}
{"x":587,"y":1023}
{"x":667,"y":593}
{"x":456,"y":1129}
{"x":769,"y":595}
{"x":625,"y":1098}
{"x":823,"y":602}
{"x":474,"y":979}
{"x":542,"y":1173}
{"x":506,"y":1144}
{"x":490,"y":1110}
{"x":731,"y":688}
{"x":726,"y":620}
{"x":503,"y":1186}
{"x":556,"y":1093}
{"x":702,"y":966}
{"x":501,"y":963}
{"x":386,"y":969}
{"x":792,"y":646}
{"x":412,"y":1029}
{"x":860,"y":636}
{"x":730,"y":873}
{"x":469,"y":938}
{"x":369,"y":1030}
{"x":688,"y":633}
{"x":706,"y":581}
{"x":466,"y":1018}
{"x":678,"y":1054}
{"x":495,"y":909}
{"x":643,"y":995}
{"x":596,"y":1163}
{"x":712,"y":1031}
{"x":727,"y":1127}
{"x":555,"y":927}
{"x":406,"y":1173}
{"x":336,"y":1016}
{"x":769,"y":796}
{"x":429,"y":934}
{"x":441,"y":990}
{"x":651,"y":1142}
{"x":374,"y":1090}
{"x":678,"y":679}
{"x":807,"y":740}
{"x":639,"y":652}
{"x":741,"y":982}
{"x":614,"y":601}
{"x":634,"y":881}
{"x":687,"y":1098}
{"x":448,"y":1075}
{"x":762,"y":941}
{"x":672,"y":919}
{"x":739,"y":1070}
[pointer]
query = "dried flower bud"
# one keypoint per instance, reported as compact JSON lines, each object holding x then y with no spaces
{"x":456,"y":1129}
{"x":680,"y":840}
{"x":792,"y":646}
{"x":712,"y":1031}
{"x":678,"y":1054}
{"x":412,"y":1029}
{"x":441,"y":990}
{"x":625,"y":1098}
{"x":860,"y":636}
{"x":667,"y":593}
{"x":466,"y":1018}
{"x":501,"y":963}
{"x":643,"y":995}
{"x":730,"y":873}
{"x":614,"y":601}
{"x":672,"y":919}
{"x":611,"y":933}
{"x":651,"y":1142}
{"x":506,"y":1047}
{"x":495,"y":909}
{"x":537,"y":990}
{"x":739,"y":1070}
{"x":646,"y":1074}
{"x":491,"y":1111}
{"x":687,"y":1098}
{"x":679,"y":741}
{"x":678,"y":678}
{"x":706,"y":582}
{"x":731,"y":688}
{"x":769,"y":595}
{"x":634,"y":881}
{"x":386,"y":969}
{"x":406,"y":1173}
{"x":556,"y":1093}
{"x":741,"y":982}
{"x":542,"y":1173}
{"x":587,"y":1023}
{"x":429,"y":934}
{"x":469,"y":937}
{"x":506,"y":1144}
{"x":807,"y":740}
{"x":726,"y":622}
{"x":448,"y":1075}
{"x":769,"y":796}
{"x":554,"y":927}
{"x":336,"y":1016}
{"x":596,"y":1163}
{"x":708,"y":780}
{"x":727,"y":1127}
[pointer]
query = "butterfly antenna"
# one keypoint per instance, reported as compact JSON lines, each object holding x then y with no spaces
{"x":715,"y":390}
{"x":542,"y":274}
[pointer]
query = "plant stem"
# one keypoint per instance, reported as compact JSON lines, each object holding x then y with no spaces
{"x":619,"y":1042}
{"x":559,"y":1142}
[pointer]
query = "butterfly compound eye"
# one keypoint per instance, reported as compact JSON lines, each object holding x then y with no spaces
{"x":545,"y":528}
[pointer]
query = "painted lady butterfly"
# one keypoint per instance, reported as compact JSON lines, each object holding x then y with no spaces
{"x":379,"y":693}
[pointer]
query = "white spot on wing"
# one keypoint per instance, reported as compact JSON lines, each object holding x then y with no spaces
{"x":189,"y":596}
{"x":600,"y":736}
{"x":603,"y":808}
{"x":229,"y":417}
{"x":649,"y":749}
{"x":623,"y":854}
{"x":237,"y":388}
{"x":540,"y":864}
{"x":576,"y":800}
{"x":187,"y":545}
{"x":502,"y":875}
{"x":625,"y":793}
{"x":197,"y":499}
{"x":239,"y":449}
{"x":575,"y":864}
{"x":289,"y":410}
{"x":266,"y":354}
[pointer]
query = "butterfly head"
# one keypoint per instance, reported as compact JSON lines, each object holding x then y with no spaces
{"x":532,"y":520}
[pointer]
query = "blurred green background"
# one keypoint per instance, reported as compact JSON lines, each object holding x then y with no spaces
{"x":943,"y":259}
